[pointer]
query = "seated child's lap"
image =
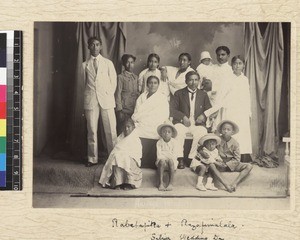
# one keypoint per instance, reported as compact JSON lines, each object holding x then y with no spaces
{"x":238,"y":168}
{"x":164,"y":161}
{"x":198,"y":168}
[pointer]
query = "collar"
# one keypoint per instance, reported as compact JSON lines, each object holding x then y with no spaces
{"x":98,"y":57}
{"x":127,"y":73}
{"x":224,"y":64}
{"x":191,"y":91}
{"x":229,"y":143}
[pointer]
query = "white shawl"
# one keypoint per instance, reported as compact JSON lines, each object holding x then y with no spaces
{"x":126,"y":149}
{"x":149,"y":113}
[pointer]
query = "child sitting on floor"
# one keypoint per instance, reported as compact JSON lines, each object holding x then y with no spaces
{"x":122,"y":168}
{"x":230,"y":154}
{"x":200,"y":165}
{"x":166,"y":154}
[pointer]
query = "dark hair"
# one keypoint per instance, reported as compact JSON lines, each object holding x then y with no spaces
{"x":191,"y":73}
{"x":151,"y":56}
{"x":129,"y":120}
{"x":237,"y":57}
{"x":91,"y":39}
{"x":125,"y":58}
{"x":224,"y":48}
{"x":150,"y":77}
{"x":185,"y":54}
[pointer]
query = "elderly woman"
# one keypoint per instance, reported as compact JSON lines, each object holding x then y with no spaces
{"x":151,"y":109}
{"x":122,"y":168}
{"x":176,"y":75}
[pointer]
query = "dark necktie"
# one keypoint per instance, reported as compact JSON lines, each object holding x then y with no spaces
{"x":193,"y":93}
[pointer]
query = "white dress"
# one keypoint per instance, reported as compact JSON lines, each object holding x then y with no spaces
{"x":238,"y":109}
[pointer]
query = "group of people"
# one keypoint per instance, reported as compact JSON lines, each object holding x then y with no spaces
{"x":165,"y":103}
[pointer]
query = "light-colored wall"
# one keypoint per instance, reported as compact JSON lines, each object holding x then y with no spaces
{"x":168,"y":40}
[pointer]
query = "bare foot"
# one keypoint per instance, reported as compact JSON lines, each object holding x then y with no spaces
{"x":161,"y":188}
{"x":233,"y":187}
{"x":117,"y":188}
{"x":229,"y":188}
{"x":169,"y":188}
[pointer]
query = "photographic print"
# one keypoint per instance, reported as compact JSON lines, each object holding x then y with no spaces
{"x":161,"y":114}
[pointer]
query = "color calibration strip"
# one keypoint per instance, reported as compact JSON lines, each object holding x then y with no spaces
{"x":11,"y":93}
{"x":3,"y":109}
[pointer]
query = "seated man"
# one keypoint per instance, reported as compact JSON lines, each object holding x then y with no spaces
{"x":186,"y":108}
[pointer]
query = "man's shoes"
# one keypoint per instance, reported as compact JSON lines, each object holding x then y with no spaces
{"x":90,"y":164}
{"x":180,"y":163}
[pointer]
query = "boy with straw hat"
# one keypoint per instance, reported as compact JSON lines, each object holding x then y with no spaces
{"x":166,"y":154}
{"x":200,"y":165}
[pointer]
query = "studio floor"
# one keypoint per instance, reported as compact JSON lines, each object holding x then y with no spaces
{"x":60,"y":183}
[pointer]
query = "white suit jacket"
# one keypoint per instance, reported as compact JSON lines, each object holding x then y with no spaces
{"x":99,"y":88}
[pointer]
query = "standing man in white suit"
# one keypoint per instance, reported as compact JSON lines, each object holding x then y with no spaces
{"x":100,"y":82}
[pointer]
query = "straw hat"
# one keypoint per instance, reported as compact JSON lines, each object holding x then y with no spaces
{"x":235,"y":126}
{"x":210,"y":136}
{"x":204,"y":54}
{"x":167,"y":124}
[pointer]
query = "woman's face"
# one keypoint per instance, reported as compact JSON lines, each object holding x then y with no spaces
{"x":129,"y":65}
{"x":152,"y":85}
{"x":184,"y":62}
{"x":128,"y":128}
{"x":238,"y":66}
{"x":153,"y":63}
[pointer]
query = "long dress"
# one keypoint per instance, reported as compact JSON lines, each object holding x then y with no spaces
{"x":238,"y":109}
{"x":149,"y":113}
{"x":124,"y":162}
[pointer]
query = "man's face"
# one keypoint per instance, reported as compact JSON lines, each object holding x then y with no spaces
{"x":192,"y":82}
{"x":95,"y":48}
{"x":222,"y":56}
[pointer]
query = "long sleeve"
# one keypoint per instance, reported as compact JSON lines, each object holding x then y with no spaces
{"x":174,"y":106}
{"x":112,"y":75}
{"x":118,"y":93}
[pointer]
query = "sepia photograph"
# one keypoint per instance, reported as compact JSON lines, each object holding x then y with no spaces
{"x":162,"y":115}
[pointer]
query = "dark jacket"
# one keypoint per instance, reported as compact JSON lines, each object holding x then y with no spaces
{"x":180,"y":104}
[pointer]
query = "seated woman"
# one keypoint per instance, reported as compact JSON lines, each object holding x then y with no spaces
{"x":151,"y":109}
{"x":122,"y":168}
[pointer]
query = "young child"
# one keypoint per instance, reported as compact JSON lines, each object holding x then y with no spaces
{"x":166,"y":154}
{"x":153,"y":70}
{"x":200,"y":165}
{"x":230,"y":154}
{"x":122,"y":168}
{"x":126,"y":92}
{"x":205,"y":69}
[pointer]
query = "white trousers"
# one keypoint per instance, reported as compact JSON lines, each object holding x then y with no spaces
{"x":197,"y":131}
{"x":108,"y":118}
